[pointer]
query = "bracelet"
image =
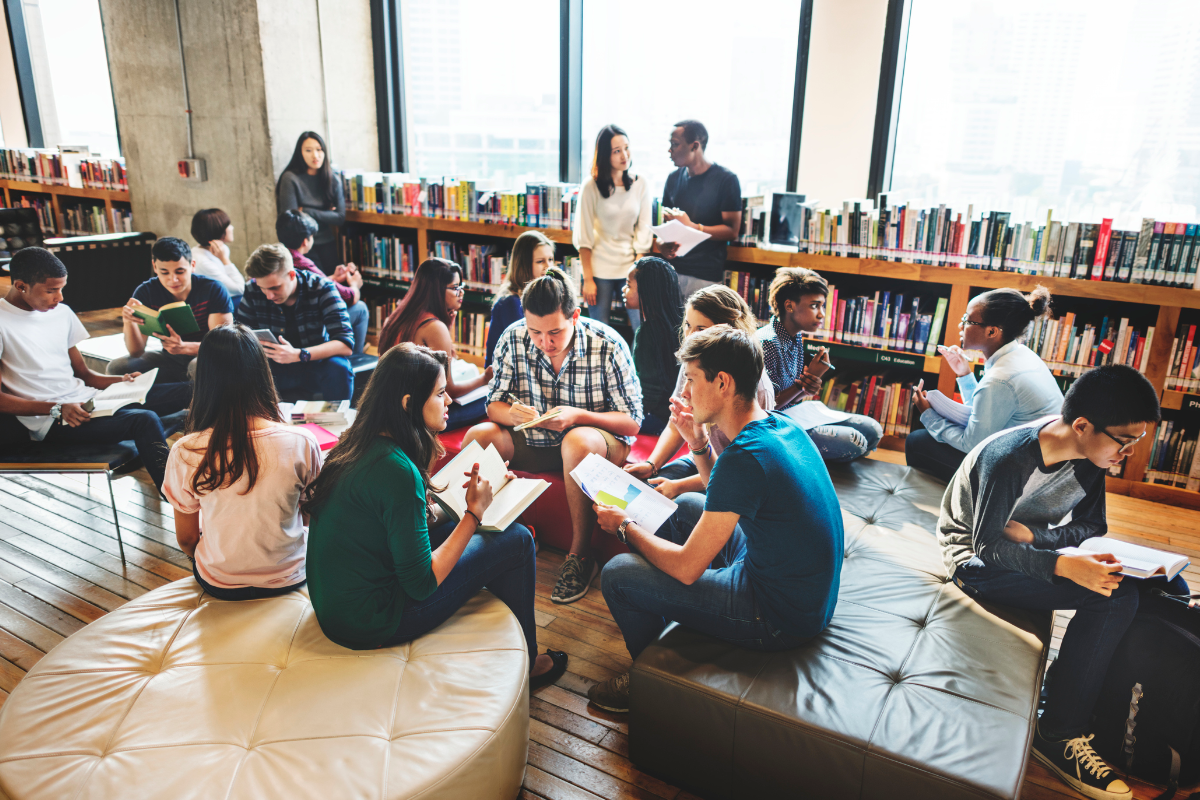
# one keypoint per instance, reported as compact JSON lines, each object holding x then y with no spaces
{"x":700,"y":450}
{"x":653,"y":469}
{"x":478,"y":521}
{"x":699,"y":227}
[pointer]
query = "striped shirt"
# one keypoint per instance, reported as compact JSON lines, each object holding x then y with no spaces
{"x":783,"y":356}
{"x":598,"y":376}
{"x":321,"y":316}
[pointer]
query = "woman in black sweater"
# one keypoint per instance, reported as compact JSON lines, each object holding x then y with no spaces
{"x":309,"y":185}
{"x":653,"y":288}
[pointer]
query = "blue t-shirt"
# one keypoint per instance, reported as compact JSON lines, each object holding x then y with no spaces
{"x":773,"y":476}
{"x":206,"y":297}
{"x":505,"y":312}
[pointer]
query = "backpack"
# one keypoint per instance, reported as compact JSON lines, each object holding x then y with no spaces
{"x":1147,"y":718}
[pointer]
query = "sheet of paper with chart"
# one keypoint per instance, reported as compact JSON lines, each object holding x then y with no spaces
{"x":610,"y":485}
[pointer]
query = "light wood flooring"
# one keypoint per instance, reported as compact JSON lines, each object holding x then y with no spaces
{"x":59,"y":570}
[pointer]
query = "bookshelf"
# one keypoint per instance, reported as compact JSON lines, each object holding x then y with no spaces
{"x":14,"y":190}
{"x":1170,"y":302}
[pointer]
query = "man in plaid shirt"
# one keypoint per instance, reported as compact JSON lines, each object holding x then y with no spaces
{"x":582,"y":368}
{"x":309,"y":319}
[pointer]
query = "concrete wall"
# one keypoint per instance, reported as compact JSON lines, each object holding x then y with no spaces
{"x":254,"y":73}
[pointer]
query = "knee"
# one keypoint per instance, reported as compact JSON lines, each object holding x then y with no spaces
{"x":143,"y":422}
{"x":579,"y":442}
{"x":873,"y":433}
{"x":485,"y":433}
{"x":619,"y":572}
{"x":691,"y":503}
{"x":118,"y":366}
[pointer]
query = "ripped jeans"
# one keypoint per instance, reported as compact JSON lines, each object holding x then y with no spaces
{"x":847,"y":440}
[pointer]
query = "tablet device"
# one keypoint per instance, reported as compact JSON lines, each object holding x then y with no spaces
{"x":265,"y":335}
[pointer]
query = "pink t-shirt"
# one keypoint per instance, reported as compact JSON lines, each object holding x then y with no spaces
{"x":257,"y":538}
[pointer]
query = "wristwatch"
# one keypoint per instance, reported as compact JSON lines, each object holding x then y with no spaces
{"x":305,"y":356}
{"x":56,"y":412}
{"x":621,"y":530}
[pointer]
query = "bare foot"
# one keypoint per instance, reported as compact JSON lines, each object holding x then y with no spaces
{"x":542,"y":664}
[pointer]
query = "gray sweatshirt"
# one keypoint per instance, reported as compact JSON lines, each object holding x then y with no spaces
{"x":304,"y":191}
{"x":1004,"y":478}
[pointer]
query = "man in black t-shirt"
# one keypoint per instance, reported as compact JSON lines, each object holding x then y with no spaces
{"x":701,"y":195}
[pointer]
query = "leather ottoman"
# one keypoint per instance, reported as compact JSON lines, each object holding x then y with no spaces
{"x":179,"y":695}
{"x":913,"y":691}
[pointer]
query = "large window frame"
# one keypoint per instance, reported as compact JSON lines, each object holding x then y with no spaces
{"x":388,"y":41}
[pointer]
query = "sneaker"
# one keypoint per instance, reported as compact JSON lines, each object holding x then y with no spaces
{"x":612,"y":694}
{"x":1080,"y":767}
{"x":576,"y":578}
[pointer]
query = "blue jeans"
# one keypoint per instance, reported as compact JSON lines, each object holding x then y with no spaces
{"x":606,"y":290}
{"x":652,"y":425}
{"x":643,"y":599}
{"x":923,"y":452}
{"x":360,"y":316}
{"x":503,"y":563}
{"x":466,"y":415}
{"x":847,"y":440}
{"x":328,"y":379}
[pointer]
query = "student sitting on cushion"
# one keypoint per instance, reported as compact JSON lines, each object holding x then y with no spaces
{"x":44,"y":382}
{"x":652,"y":289}
{"x":245,"y":469}
{"x":580,"y":368}
{"x":532,"y":255}
{"x":757,"y":561}
{"x":296,"y":230}
{"x":712,"y":305}
{"x":213,"y":231}
{"x":1016,"y":387}
{"x":384,"y":564}
{"x":305,"y":313}
{"x":1002,"y":523}
{"x":174,"y":281}
{"x":797,"y":297}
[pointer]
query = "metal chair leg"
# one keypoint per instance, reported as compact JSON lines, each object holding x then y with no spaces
{"x":113,"y":499}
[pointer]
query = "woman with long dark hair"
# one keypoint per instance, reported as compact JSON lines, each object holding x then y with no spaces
{"x":308,"y":184}
{"x":386,"y":567}
{"x":532,"y":254}
{"x":652,"y":288}
{"x":612,"y":225}
{"x":245,"y":470}
{"x":425,"y":317}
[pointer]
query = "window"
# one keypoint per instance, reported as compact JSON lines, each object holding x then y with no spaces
{"x":1089,"y":107}
{"x":70,"y":74}
{"x":481,"y":89}
{"x":647,"y":66}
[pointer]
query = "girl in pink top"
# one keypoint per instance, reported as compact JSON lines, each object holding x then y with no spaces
{"x":235,"y":480}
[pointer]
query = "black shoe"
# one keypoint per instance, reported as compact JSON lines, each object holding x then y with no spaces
{"x":1080,"y":767}
{"x":551,"y":675}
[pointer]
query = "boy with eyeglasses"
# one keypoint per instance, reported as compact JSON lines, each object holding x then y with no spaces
{"x":1000,"y":530}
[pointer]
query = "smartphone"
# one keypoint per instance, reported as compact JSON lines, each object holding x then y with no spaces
{"x":265,"y":335}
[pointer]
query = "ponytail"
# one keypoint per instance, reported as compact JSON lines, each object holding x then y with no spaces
{"x":1012,"y":311}
{"x":549,"y":293}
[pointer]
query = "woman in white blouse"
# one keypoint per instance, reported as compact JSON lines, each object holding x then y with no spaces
{"x":612,"y":225}
{"x":213,"y":232}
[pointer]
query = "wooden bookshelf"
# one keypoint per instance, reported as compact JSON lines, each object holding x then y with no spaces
{"x":108,"y":196}
{"x":1169,"y":300}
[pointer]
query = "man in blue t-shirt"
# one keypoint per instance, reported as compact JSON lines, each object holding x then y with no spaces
{"x":757,"y":561}
{"x":174,"y":281}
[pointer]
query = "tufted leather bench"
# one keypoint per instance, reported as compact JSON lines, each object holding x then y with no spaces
{"x":176,"y":694}
{"x":913,"y":691}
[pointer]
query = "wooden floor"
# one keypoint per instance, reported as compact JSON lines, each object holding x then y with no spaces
{"x":59,"y":570}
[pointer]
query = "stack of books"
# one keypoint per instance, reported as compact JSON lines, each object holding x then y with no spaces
{"x":319,"y":412}
{"x":889,"y":404}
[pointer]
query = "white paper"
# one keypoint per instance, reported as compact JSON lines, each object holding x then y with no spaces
{"x":491,"y":469}
{"x":610,"y":485}
{"x":123,"y":394}
{"x":949,"y":410}
{"x":1138,"y":561}
{"x":473,"y":395}
{"x":813,"y":414}
{"x":676,"y":231}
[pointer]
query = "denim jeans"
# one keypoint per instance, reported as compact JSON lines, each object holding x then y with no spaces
{"x":607,"y":289}
{"x":466,"y":415}
{"x":643,"y":599}
{"x":652,"y":425}
{"x":847,"y":440}
{"x":503,"y":563}
{"x":360,"y":317}
{"x":683,"y":467}
{"x":1087,"y":646}
{"x":923,"y":452}
{"x":330,"y":378}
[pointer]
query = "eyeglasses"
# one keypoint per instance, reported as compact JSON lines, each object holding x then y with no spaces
{"x":459,"y":289}
{"x":1126,"y":447}
{"x":965,"y":321}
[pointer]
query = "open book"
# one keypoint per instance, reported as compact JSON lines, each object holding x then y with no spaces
{"x":948,"y":409}
{"x":610,"y":485}
{"x":1136,"y":561}
{"x":178,"y":315}
{"x":122,"y":394}
{"x":510,"y":498}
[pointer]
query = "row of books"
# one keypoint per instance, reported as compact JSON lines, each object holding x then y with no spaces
{"x":1071,"y":348}
{"x":57,"y":168}
{"x":469,"y":328}
{"x":484,"y":265}
{"x":387,"y":257}
{"x":1183,"y":370}
{"x":1173,"y":457}
{"x":539,"y":205}
{"x":90,"y":220}
{"x":1161,"y":253}
{"x":44,"y":209}
{"x":890,"y":404}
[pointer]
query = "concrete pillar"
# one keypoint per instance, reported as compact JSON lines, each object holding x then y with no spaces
{"x":256,"y":81}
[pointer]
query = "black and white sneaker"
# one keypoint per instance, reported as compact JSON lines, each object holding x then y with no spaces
{"x":1080,"y":767}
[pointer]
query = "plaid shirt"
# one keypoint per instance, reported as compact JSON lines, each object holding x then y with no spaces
{"x":598,"y":375}
{"x":321,"y":316}
{"x":783,"y":355}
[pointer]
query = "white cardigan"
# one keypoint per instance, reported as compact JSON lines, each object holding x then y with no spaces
{"x":228,"y":275}
{"x":616,"y":228}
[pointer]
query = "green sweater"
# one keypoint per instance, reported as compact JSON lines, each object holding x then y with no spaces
{"x":368,"y":549}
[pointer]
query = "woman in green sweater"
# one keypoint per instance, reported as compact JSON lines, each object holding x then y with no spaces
{"x":384,"y":567}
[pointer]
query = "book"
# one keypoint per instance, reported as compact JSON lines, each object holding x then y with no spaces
{"x":155,"y":321}
{"x":510,"y":496}
{"x":325,"y":439}
{"x":321,"y":412}
{"x":935,"y":332}
{"x":126,"y":393}
{"x":1136,"y":560}
{"x":607,"y":484}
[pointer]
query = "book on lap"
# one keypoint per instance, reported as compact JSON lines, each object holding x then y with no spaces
{"x":119,"y":395}
{"x":510,"y":497}
{"x":1136,"y":561}
{"x":178,"y":315}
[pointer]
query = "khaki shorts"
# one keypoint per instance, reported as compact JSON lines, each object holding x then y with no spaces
{"x":549,"y":459}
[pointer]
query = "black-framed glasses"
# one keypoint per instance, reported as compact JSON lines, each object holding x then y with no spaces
{"x":965,"y":321}
{"x":1126,"y":447}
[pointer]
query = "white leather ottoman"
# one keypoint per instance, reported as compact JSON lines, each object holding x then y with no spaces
{"x":179,"y":695}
